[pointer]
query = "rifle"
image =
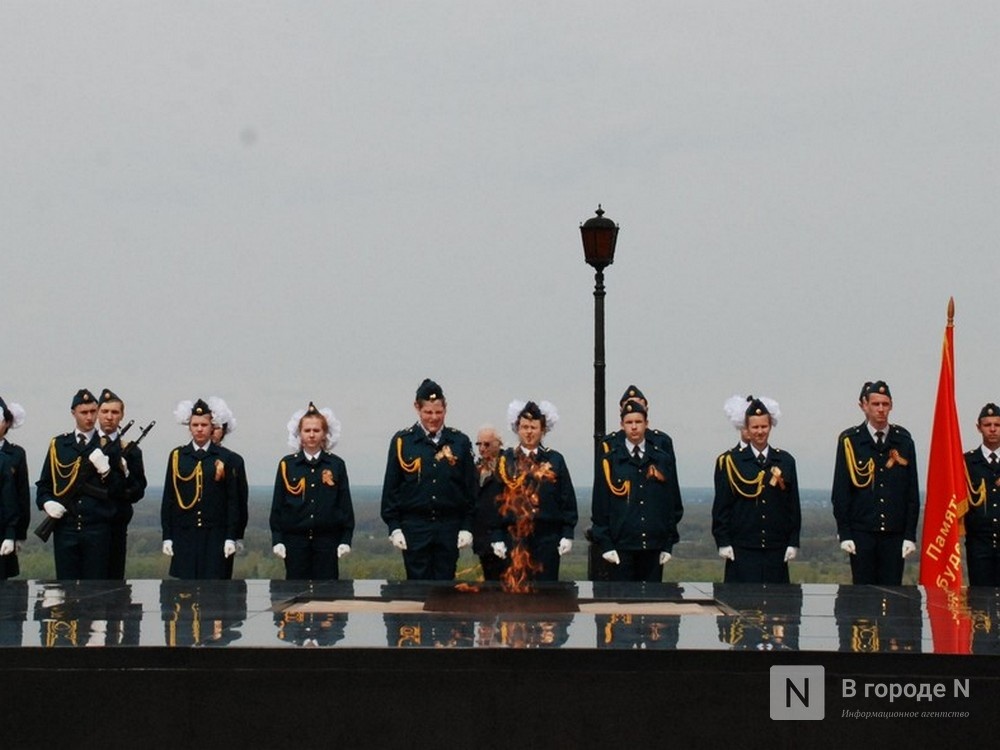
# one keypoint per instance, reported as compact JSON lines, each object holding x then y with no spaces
{"x":48,"y":524}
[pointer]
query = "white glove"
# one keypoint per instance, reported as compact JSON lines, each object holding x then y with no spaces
{"x":397,"y":539}
{"x":279,"y":550}
{"x":343,"y":549}
{"x":727,"y":552}
{"x":52,"y":596}
{"x":6,"y":547}
{"x":464,"y":539}
{"x":665,"y":558}
{"x":908,"y":548}
{"x":791,"y":553}
{"x":240,"y":547}
{"x":565,"y":545}
{"x":229,"y":548}
{"x":848,"y":546}
{"x":612,"y":557}
{"x":168,"y":547}
{"x":100,"y":461}
{"x":125,"y":467}
{"x":54,"y":509}
{"x":499,"y":549}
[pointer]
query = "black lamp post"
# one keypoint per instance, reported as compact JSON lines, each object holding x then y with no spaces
{"x":599,"y":238}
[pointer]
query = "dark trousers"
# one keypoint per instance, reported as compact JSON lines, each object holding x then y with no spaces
{"x":431,"y":552}
{"x":311,"y":559}
{"x":493,"y":566}
{"x":878,"y":559}
{"x":984,"y":569}
{"x":544,"y":550}
{"x":117,"y":549}
{"x":198,"y":554}
{"x":9,"y":567}
{"x":638,"y":565}
{"x":81,"y":552}
{"x":753,"y":565}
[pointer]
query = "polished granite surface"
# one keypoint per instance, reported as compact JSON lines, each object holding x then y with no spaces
{"x":370,"y":614}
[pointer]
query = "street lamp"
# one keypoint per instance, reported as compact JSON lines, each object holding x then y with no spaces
{"x":599,"y":238}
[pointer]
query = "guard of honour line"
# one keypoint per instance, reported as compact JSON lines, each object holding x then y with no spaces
{"x":515,"y":506}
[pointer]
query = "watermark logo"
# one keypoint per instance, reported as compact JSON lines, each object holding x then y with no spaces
{"x":797,"y":693}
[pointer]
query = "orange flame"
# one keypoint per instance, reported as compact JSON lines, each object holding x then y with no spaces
{"x":519,"y":502}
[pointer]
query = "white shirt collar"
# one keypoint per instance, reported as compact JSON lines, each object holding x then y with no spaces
{"x":632,"y":446}
{"x":872,"y":431}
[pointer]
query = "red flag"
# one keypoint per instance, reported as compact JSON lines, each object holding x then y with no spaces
{"x":946,"y":502}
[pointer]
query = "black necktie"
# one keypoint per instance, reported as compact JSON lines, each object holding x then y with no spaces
{"x":199,"y":453}
{"x":878,"y":439}
{"x":81,"y":440}
{"x":993,"y":459}
{"x":761,"y":459}
{"x":636,"y":454}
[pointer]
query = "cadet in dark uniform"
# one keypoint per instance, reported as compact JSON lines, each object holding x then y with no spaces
{"x":982,"y":522}
{"x":489,"y":445}
{"x":428,"y":494}
{"x":223,"y":424}
{"x":756,"y":517}
{"x":78,"y":485}
{"x":14,"y":465}
{"x":637,"y":501}
{"x":662,"y":439}
{"x":312,"y":517}
{"x":539,"y":510}
{"x":110,"y":412}
{"x":876,"y":496}
{"x":199,"y":514}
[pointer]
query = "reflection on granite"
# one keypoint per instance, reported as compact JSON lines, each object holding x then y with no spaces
{"x":568,"y":615}
{"x":202,"y":613}
{"x":86,"y":613}
{"x":872,"y":619}
{"x":765,"y":618}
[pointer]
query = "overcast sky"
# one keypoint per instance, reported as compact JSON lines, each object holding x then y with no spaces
{"x":295,"y":201}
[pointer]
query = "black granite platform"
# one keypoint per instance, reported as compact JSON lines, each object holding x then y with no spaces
{"x":405,"y":664}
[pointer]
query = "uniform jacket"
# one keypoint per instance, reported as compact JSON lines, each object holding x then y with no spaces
{"x":428,"y":481}
{"x":132,"y":487}
{"x":237,"y":465}
{"x":14,"y":457}
{"x":982,"y":522}
{"x":879,"y":490}
{"x":75,"y":483}
{"x":312,"y":497}
{"x":10,"y":508}
{"x":217,"y":505}
{"x":756,"y":506}
{"x":556,"y":499}
{"x":637,"y":502}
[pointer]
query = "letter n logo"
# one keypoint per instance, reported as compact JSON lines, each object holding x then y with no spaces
{"x":797,"y":693}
